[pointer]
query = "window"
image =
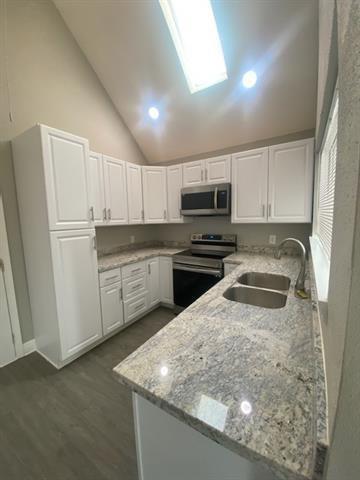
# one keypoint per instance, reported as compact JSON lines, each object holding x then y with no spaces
{"x":193,"y":29}
{"x":324,"y":203}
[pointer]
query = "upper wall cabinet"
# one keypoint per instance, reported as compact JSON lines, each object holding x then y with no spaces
{"x":115,"y":191}
{"x":154,"y":194}
{"x":291,"y":182}
{"x":67,"y":179}
{"x":273,"y":184}
{"x":217,"y":169}
{"x":174,"y":184}
{"x":250,"y":185}
{"x":134,"y":192}
{"x":97,"y":188}
{"x":211,"y":170}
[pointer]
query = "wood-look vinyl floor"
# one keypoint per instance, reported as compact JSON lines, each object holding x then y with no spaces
{"x":76,"y":423}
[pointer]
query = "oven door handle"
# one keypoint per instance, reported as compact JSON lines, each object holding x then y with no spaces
{"x":214,"y":273}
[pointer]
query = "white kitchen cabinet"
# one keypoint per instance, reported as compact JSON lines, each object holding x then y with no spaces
{"x":135,"y":308}
{"x":115,"y":191}
{"x":153,"y":281}
{"x":112,"y":309}
{"x":134,"y":192}
{"x":250,"y":186}
{"x":134,"y":286}
{"x":291,"y":182}
{"x":217,"y":169}
{"x":67,"y":177}
{"x":166,"y":280}
{"x":193,"y":173}
{"x":77,"y":289}
{"x":174,"y":184}
{"x":154,"y":194}
{"x":97,"y":188}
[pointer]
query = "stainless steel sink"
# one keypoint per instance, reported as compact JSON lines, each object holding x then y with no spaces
{"x":265,"y":280}
{"x":256,"y":296}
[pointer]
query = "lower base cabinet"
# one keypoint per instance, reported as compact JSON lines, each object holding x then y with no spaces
{"x":112,"y":308}
{"x":128,"y":293}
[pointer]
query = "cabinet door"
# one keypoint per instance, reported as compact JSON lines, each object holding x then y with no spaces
{"x":217,"y":169}
{"x":193,"y":173}
{"x":97,"y":190}
{"x":67,"y":177}
{"x":115,"y":191}
{"x":112,"y":309}
{"x":249,"y":186}
{"x":77,"y":289}
{"x":291,"y":181}
{"x":153,"y":281}
{"x":166,"y":280}
{"x":174,"y":185}
{"x":134,"y":191}
{"x":155,"y":195}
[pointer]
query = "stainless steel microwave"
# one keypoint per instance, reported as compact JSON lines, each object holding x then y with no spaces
{"x":206,"y":200}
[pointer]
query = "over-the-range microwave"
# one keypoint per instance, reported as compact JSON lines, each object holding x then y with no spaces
{"x":206,"y":200}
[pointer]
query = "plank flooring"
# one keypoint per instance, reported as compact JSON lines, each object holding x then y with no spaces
{"x":76,"y":423}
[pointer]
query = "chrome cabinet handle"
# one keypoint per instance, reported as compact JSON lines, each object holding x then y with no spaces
{"x":111,"y":278}
{"x":263,"y":210}
{"x":139,"y":306}
{"x":94,"y":242}
{"x":120,"y":294}
{"x":215,"y":197}
{"x":149,"y":269}
{"x":269,"y":210}
{"x":92,"y":215}
{"x":109,"y":213}
{"x":164,"y":214}
{"x":104,"y":214}
{"x":142,"y":215}
{"x":135,"y":287}
{"x":135,"y":270}
{"x":2,"y":266}
{"x":206,"y":175}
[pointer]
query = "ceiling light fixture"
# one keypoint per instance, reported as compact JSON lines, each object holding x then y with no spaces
{"x":249,"y":79}
{"x":193,"y":29}
{"x":153,"y":113}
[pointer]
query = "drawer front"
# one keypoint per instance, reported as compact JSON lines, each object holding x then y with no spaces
{"x":109,"y":277}
{"x":133,"y":269}
{"x":134,"y":286}
{"x":135,"y":308}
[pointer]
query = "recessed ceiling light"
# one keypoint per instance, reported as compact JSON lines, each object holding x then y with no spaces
{"x":153,"y":113}
{"x":249,"y":79}
{"x":193,"y":29}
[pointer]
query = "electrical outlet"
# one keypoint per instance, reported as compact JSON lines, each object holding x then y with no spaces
{"x":132,"y":238}
{"x":272,"y":239}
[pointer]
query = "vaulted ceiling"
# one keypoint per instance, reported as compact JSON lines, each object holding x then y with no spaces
{"x":130,"y":48}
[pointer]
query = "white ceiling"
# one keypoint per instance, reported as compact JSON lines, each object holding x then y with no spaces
{"x":130,"y":48}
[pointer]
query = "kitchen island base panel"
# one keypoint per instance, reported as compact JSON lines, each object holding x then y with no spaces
{"x":167,"y":448}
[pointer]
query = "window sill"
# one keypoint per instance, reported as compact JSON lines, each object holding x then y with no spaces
{"x":321,"y":267}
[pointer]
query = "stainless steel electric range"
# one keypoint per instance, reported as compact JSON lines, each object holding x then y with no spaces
{"x":198,"y":269}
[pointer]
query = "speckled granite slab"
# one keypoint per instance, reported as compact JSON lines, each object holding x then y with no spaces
{"x":126,"y":257}
{"x":257,"y":365}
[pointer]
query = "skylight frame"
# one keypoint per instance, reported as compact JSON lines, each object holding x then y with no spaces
{"x":184,"y":54}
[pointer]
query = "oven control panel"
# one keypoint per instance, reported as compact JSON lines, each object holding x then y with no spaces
{"x":213,"y":237}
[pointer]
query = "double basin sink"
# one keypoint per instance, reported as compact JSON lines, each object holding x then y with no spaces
{"x":265,"y":290}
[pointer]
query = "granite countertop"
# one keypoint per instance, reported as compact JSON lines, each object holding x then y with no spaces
{"x":108,"y":262}
{"x":255,"y":366}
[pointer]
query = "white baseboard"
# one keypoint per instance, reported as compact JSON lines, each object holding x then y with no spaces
{"x":29,"y":347}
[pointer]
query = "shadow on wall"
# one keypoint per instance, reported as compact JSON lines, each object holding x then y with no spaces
{"x":8,"y":191}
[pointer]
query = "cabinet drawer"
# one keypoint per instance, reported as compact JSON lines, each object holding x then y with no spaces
{"x":135,"y":307}
{"x":133,"y":269}
{"x":109,"y":277}
{"x":134,"y":286}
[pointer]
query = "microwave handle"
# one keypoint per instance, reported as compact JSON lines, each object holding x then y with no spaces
{"x":215,"y":198}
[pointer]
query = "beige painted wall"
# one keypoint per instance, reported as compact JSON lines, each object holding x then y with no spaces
{"x":342,"y":331}
{"x":51,"y":82}
{"x":248,"y":234}
{"x":111,"y":237}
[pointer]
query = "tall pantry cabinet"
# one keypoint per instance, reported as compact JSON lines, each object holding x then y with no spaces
{"x":52,"y":171}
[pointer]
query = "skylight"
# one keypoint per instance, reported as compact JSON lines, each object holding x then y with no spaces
{"x":193,"y":29}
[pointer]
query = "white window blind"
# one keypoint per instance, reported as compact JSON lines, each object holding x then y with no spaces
{"x":326,"y":183}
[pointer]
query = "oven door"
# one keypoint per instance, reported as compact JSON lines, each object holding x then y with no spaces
{"x":190,"y":282}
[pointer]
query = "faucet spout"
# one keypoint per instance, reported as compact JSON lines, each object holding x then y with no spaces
{"x":300,"y":282}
